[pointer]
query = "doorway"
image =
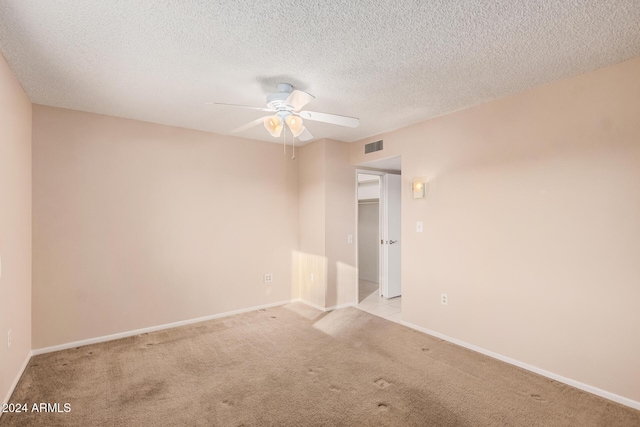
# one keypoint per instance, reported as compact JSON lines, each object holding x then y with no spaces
{"x":378,"y":242}
{"x":368,"y":235}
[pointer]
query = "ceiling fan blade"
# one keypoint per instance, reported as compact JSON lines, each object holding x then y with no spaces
{"x":249,"y":125}
{"x":335,"y":119}
{"x":299,"y":99}
{"x":305,"y":135}
{"x":239,"y":106}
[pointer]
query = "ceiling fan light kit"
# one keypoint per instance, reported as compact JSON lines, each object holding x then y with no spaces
{"x":287,"y":104}
{"x":296,"y":125}
{"x":273,"y":125}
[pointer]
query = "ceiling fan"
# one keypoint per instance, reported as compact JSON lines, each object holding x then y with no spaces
{"x":286,"y":107}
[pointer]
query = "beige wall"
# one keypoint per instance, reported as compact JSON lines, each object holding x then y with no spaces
{"x":15,"y":226}
{"x":532,"y":226}
{"x":391,"y":148}
{"x":340,"y":220}
{"x":312,"y":196}
{"x":327,"y":217}
{"x":138,"y":224}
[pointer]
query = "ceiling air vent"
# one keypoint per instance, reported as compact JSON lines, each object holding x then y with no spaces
{"x":372,"y":147}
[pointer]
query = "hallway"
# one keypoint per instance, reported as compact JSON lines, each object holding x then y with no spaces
{"x":372,"y":303}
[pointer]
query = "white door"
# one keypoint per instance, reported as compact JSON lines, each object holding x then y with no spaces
{"x":390,"y":236}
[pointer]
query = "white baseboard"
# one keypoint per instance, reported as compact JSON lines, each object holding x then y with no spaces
{"x":152,"y":329}
{"x":309,"y":303}
{"x":325,"y":309}
{"x":17,"y":379}
{"x":585,"y":387}
{"x":339,"y":306}
{"x":577,"y":384}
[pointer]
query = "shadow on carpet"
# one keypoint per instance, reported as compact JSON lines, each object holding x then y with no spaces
{"x":296,"y":366}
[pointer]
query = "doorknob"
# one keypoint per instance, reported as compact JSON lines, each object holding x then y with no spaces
{"x":391,"y":242}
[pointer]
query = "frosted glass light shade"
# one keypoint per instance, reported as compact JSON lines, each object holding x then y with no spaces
{"x":273,"y":124}
{"x":295,"y":124}
{"x":418,"y":186}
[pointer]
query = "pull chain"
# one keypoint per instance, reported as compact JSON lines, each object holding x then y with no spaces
{"x":284,"y":143}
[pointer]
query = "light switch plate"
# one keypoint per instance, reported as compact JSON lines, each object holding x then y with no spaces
{"x":419,"y":227}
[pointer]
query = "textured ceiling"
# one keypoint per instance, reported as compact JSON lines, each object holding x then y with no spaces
{"x":391,"y":63}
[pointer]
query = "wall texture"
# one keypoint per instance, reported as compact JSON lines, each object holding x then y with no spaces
{"x":15,"y":227}
{"x":327,"y":217}
{"x":138,"y":224}
{"x":312,"y":255}
{"x":532,"y":226}
{"x":340,"y":216}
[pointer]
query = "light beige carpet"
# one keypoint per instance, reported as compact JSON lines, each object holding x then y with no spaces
{"x":295,"y":366}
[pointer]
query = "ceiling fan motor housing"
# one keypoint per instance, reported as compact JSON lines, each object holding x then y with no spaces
{"x":276,"y":101}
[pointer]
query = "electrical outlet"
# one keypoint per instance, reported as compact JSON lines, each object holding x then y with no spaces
{"x":268,"y":278}
{"x":312,"y":277}
{"x":444,"y":300}
{"x":349,"y":238}
{"x":9,"y":338}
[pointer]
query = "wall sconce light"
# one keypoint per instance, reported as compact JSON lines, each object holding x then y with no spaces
{"x":418,"y":186}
